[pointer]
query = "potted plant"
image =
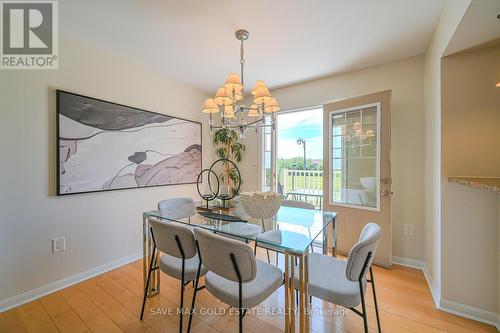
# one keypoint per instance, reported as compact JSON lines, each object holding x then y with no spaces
{"x":225,"y":141}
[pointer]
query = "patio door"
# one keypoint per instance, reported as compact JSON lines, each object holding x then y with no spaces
{"x":357,"y":177}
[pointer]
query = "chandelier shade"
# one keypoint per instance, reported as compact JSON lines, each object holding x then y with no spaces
{"x":229,"y":112}
{"x":272,"y":106}
{"x":254,"y":111}
{"x":229,"y":98}
{"x":222,"y":97}
{"x":237,"y":94}
{"x":258,"y":84}
{"x":209,"y":106}
{"x":262,"y":96}
{"x":233,"y":82}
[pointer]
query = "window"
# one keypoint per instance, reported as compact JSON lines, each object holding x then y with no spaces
{"x":354,"y":167}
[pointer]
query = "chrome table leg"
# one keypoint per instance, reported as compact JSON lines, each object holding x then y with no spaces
{"x":147,"y":250}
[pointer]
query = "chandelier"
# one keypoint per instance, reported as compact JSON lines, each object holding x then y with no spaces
{"x":228,"y":101}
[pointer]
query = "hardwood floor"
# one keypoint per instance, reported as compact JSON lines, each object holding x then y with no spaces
{"x":111,"y":303}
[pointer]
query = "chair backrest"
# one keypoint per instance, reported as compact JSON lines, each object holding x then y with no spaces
{"x":260,"y":205}
{"x":297,"y":204}
{"x":368,"y":242}
{"x":177,"y":208}
{"x":165,"y":233}
{"x":216,"y":250}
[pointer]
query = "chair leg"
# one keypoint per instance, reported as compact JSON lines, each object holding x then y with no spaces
{"x":277,"y":255}
{"x":363,"y":306}
{"x":240,"y":312}
{"x":147,"y":282}
{"x":194,"y":297}
{"x":268,"y":258}
{"x":181,"y":312}
{"x":375,"y":300}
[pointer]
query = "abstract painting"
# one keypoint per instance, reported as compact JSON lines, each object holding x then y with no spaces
{"x":104,"y":146}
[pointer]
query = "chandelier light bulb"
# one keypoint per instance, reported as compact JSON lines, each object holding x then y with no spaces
{"x":229,"y":112}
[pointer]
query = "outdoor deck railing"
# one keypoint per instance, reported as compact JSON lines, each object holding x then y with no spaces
{"x":304,"y":185}
{"x":307,"y":181}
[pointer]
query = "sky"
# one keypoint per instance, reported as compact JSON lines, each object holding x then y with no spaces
{"x":307,"y":125}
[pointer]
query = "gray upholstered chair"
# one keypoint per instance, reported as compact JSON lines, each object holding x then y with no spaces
{"x":244,"y":230}
{"x":235,"y":277}
{"x":180,"y":258}
{"x":344,"y":282}
{"x":177,"y":208}
{"x":299,"y":204}
{"x":274,"y":236}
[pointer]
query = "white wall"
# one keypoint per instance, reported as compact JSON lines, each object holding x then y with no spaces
{"x":405,"y":78}
{"x":100,"y":227}
{"x":470,"y":247}
{"x":470,"y":120}
{"x":451,"y":15}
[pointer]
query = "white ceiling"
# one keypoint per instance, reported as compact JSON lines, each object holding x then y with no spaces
{"x":479,"y":25}
{"x":290,"y":41}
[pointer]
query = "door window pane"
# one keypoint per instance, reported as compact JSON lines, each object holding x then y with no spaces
{"x":354,"y":178}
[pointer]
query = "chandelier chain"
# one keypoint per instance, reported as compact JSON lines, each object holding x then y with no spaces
{"x":242,"y":61}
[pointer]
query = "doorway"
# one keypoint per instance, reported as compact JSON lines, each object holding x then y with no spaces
{"x":293,"y":156}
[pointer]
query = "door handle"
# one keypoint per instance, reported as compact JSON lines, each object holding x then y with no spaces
{"x":386,"y":180}
{"x":386,"y":193}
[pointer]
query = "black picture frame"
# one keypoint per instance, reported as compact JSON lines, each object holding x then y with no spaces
{"x":60,"y":93}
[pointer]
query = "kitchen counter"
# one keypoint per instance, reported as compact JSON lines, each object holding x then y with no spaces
{"x":490,"y":184}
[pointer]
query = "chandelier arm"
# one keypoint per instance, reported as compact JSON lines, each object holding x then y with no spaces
{"x":252,"y":125}
{"x":260,"y":126}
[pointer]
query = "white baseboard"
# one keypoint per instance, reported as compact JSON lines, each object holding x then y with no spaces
{"x":470,"y":312}
{"x":36,"y":293}
{"x":435,"y":291}
{"x":418,"y":264}
{"x":455,"y":308}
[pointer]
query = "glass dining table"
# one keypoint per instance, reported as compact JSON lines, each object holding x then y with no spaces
{"x":292,"y":232}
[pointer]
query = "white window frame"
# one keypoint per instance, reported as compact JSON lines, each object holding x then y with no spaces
{"x":262,"y":167}
{"x":330,"y":157}
{"x":274,"y":148}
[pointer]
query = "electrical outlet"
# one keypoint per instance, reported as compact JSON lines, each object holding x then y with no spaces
{"x":58,"y":244}
{"x":408,"y":230}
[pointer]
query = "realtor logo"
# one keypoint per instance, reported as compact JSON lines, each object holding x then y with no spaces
{"x":29,"y":35}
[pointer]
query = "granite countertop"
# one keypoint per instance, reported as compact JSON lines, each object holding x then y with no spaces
{"x":490,"y":184}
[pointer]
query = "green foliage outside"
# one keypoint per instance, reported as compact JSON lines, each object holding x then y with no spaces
{"x":288,"y":163}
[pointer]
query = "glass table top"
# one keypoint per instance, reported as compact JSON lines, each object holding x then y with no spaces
{"x":291,"y":229}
